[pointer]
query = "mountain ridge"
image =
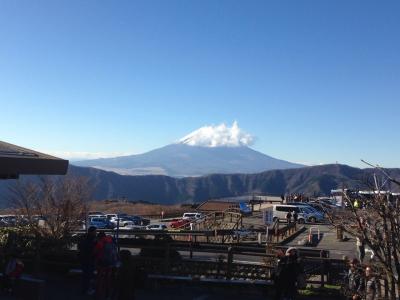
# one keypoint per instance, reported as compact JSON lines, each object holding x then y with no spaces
{"x":315,"y":180}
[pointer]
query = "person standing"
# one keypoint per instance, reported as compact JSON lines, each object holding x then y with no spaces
{"x":87,"y":259}
{"x":287,"y":275}
{"x":354,"y":279}
{"x":12,"y":272}
{"x":356,"y":204}
{"x":295,"y":216}
{"x":289,"y":217}
{"x":360,"y":248}
{"x":276,"y":275}
{"x":370,"y":285}
{"x":106,"y":255}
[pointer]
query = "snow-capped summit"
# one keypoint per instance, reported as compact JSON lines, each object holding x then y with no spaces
{"x":218,"y":136}
{"x":210,"y":149}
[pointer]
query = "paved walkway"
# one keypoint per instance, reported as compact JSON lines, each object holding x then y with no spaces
{"x":329,"y":242}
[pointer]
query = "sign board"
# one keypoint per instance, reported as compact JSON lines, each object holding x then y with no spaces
{"x":268,"y":216}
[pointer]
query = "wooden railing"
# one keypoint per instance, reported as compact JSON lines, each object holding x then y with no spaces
{"x":190,"y":259}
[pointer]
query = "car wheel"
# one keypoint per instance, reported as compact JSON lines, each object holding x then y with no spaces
{"x":300,"y":221}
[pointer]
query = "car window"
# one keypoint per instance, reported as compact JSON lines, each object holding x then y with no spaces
{"x":285,"y":208}
{"x":97,"y":220}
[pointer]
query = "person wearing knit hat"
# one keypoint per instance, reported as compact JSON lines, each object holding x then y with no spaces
{"x":288,"y":274}
{"x":291,"y":249}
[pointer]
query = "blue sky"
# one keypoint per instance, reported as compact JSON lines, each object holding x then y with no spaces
{"x":313,"y":81}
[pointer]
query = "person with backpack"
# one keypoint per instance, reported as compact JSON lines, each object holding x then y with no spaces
{"x":106,"y":255}
{"x":12,"y":272}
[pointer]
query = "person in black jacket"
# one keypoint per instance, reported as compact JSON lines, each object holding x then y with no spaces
{"x":288,"y":270}
{"x":87,"y":259}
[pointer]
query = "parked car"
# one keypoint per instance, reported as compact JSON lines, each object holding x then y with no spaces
{"x":317,"y":206}
{"x":312,"y":215}
{"x":192,"y":216}
{"x":328,"y":203}
{"x":131,"y":226}
{"x":123,"y":221}
{"x":114,"y":216}
{"x":304,"y":213}
{"x":98,"y":216}
{"x":9,"y":220}
{"x":138,"y":220}
{"x":96,"y":223}
{"x":156,"y":227}
{"x":179,"y":223}
{"x":280,"y":212}
{"x":319,"y":211}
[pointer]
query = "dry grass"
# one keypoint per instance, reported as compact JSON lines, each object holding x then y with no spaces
{"x":142,"y":209}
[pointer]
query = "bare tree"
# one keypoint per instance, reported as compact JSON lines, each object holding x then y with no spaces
{"x":60,"y":203}
{"x":378,"y":225}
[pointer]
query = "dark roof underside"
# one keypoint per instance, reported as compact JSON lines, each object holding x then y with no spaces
{"x":15,"y":161}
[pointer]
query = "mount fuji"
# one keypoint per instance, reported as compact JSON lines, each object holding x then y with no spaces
{"x":208,"y":150}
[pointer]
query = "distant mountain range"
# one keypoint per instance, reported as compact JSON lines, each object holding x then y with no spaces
{"x":184,"y":160}
{"x":316,"y":180}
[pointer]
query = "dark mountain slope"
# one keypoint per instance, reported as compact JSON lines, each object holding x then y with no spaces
{"x":317,"y":180}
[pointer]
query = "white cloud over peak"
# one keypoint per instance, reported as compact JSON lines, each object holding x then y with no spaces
{"x":217,"y":136}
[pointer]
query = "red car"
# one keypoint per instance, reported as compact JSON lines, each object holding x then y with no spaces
{"x":179,"y":223}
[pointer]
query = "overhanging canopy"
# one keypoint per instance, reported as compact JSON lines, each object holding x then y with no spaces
{"x":15,"y":161}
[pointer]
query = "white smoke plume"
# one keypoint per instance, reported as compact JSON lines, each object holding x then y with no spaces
{"x":217,"y":136}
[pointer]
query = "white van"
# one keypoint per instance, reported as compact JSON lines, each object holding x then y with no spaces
{"x":280,"y":211}
{"x":192,"y":216}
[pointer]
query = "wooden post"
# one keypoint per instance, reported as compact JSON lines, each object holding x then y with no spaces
{"x":322,"y":273}
{"x":386,"y":289}
{"x":167,"y":259}
{"x":229,"y":263}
